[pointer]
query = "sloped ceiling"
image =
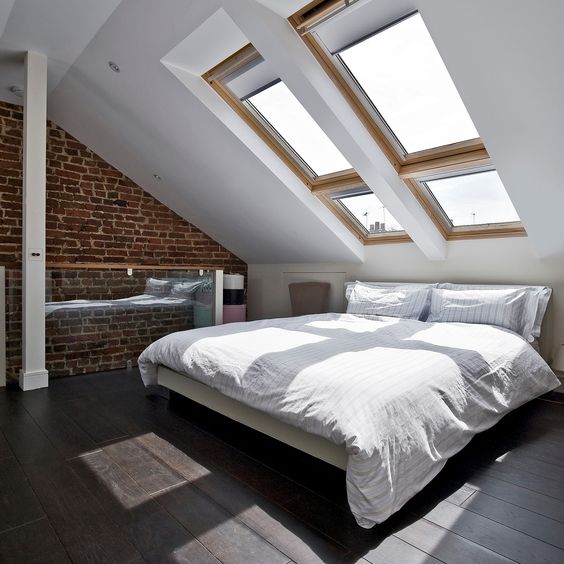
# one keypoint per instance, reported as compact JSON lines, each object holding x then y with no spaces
{"x":503,"y":56}
{"x":59,"y":28}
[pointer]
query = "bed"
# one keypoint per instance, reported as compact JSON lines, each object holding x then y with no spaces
{"x":388,"y":398}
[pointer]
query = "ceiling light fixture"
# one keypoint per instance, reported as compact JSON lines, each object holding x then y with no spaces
{"x":114,"y":66}
{"x":17,"y":91}
{"x":157,"y":177}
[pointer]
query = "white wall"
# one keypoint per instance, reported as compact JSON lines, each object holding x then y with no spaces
{"x":495,"y":261}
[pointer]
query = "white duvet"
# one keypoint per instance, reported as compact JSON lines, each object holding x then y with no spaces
{"x":402,"y":396}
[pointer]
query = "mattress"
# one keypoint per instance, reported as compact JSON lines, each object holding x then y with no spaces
{"x":401,"y":396}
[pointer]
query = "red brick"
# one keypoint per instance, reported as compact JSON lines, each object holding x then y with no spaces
{"x":85,"y":225}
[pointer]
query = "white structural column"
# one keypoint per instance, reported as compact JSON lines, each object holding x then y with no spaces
{"x":33,"y":374}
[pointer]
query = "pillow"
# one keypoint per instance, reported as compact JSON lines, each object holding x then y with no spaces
{"x":185,"y":288}
{"x":157,"y":287}
{"x":409,"y":285}
{"x":535,"y":306}
{"x":401,"y":301}
{"x":503,"y":308}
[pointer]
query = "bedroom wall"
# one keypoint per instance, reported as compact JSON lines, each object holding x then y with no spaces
{"x":491,"y":261}
{"x":95,"y":214}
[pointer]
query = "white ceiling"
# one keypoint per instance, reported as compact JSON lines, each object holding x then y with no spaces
{"x":60,"y":29}
{"x":504,"y":57}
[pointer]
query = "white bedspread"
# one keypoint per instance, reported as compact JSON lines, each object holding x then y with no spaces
{"x":402,"y":396}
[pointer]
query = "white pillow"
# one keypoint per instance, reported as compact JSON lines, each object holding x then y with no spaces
{"x":399,"y":301}
{"x":503,"y":308}
{"x":535,"y":306}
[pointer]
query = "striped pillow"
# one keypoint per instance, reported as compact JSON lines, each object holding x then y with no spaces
{"x":535,"y":306}
{"x":368,"y":301}
{"x":503,"y":308}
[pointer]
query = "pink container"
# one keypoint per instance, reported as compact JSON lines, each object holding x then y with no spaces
{"x":234,"y":313}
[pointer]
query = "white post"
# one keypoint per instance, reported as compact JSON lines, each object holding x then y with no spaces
{"x":33,"y":374}
{"x":217,"y":297}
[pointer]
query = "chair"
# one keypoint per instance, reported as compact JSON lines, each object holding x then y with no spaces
{"x":309,"y":297}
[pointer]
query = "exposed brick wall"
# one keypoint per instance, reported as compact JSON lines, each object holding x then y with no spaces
{"x":95,"y":214}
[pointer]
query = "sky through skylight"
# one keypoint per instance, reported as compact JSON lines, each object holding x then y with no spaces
{"x":291,"y":120}
{"x":474,"y":199}
{"x":403,"y":75}
{"x":370,"y":213}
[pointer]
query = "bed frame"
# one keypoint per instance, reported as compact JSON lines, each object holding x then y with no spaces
{"x":314,"y":445}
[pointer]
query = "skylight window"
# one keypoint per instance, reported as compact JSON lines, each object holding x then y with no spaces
{"x":284,"y":113}
{"x":368,"y":211}
{"x":392,"y":76}
{"x":402,"y":75}
{"x":473,"y":199}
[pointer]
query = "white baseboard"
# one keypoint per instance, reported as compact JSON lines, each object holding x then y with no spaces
{"x":34,"y":380}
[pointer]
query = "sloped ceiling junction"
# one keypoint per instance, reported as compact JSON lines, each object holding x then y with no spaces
{"x":148,"y":120}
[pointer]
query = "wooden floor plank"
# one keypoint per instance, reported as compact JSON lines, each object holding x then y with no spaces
{"x":274,"y":524}
{"x":545,"y":486}
{"x":239,"y":443}
{"x":18,"y":503}
{"x":460,"y":495}
{"x":61,"y":389}
{"x":336,"y":522}
{"x":10,"y":406}
{"x":149,"y":472}
{"x":158,"y":417}
{"x":27,"y":440}
{"x":501,"y":455}
{"x":499,"y":538}
{"x":34,"y":542}
{"x":522,"y":497}
{"x":77,"y":517}
{"x":67,"y":437}
{"x":193,"y":487}
{"x":445,"y":545}
{"x":221,"y":533}
{"x":533,"y":524}
{"x":531,"y":465}
{"x":98,"y":425}
{"x":539,"y":447}
{"x":394,"y":550}
{"x":115,"y":381}
{"x":153,"y":531}
{"x":5,"y":450}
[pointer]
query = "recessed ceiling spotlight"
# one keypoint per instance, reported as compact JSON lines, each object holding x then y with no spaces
{"x":17,"y":91}
{"x":157,"y":177}
{"x":113,"y":66}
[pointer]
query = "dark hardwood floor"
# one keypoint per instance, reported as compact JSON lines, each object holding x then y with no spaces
{"x":94,"y":469}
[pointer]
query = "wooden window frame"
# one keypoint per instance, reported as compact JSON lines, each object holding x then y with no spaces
{"x":352,"y":223}
{"x":321,"y":186}
{"x":282,"y":149}
{"x":463,"y":156}
{"x":440,"y":219}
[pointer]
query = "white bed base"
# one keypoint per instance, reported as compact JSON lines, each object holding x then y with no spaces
{"x":200,"y":393}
